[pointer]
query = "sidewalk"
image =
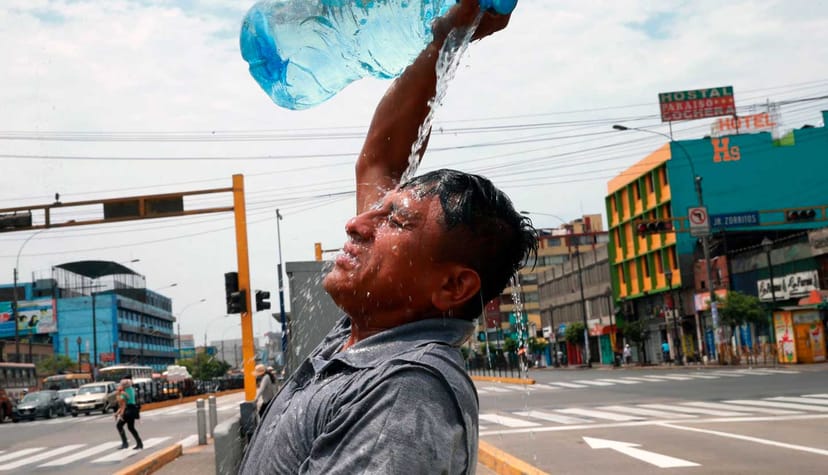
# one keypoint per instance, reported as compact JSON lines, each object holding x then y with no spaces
{"x":200,"y":460}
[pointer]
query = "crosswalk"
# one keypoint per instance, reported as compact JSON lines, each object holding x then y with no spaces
{"x":681,"y":410}
{"x":51,"y":457}
{"x":189,"y":408}
{"x":495,"y":389}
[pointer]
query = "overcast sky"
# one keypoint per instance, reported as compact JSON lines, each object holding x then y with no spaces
{"x":531,"y":108}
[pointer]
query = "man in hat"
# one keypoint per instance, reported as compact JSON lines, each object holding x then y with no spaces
{"x":386,"y":391}
{"x":267,"y":386}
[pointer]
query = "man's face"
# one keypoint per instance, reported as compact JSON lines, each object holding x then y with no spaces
{"x":389,"y":262}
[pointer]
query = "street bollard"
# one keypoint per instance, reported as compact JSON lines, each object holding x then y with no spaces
{"x":202,"y":422}
{"x":211,"y":404}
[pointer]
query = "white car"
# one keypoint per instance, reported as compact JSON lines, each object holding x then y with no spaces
{"x":94,"y":397}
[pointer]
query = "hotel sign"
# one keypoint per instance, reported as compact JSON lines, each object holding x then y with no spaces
{"x":697,"y":104}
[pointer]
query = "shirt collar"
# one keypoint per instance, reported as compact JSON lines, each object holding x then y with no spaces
{"x":371,"y":351}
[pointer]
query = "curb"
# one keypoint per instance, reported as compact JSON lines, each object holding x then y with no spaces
{"x":497,"y":379}
{"x":504,"y":463}
{"x":153,"y":462}
{"x":177,"y":401}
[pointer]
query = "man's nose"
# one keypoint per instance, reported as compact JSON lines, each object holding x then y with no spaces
{"x":361,"y":226}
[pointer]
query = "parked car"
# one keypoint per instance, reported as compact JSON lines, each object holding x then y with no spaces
{"x":67,"y":395}
{"x":5,"y":405}
{"x":94,"y":397}
{"x":39,"y":404}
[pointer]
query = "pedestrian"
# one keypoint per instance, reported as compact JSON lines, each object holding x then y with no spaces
{"x":127,"y":413}
{"x":627,"y":354}
{"x":386,"y":391}
{"x":665,"y":351}
{"x":267,"y":387}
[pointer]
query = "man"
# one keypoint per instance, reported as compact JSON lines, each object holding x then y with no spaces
{"x":386,"y":391}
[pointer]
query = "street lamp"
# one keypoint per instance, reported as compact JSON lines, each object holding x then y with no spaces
{"x":14,"y":299}
{"x":79,"y":341}
{"x":180,"y":314}
{"x":677,"y":345}
{"x":282,"y":317}
{"x":527,"y":213}
{"x":697,"y":181}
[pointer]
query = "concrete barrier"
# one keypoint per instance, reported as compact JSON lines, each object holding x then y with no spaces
{"x":498,"y":379}
{"x":153,"y":462}
{"x":503,"y":463}
{"x":228,"y":446}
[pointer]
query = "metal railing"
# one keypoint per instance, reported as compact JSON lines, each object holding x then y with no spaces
{"x":498,"y":364}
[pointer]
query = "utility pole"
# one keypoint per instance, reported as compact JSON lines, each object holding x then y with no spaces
{"x":583,"y":308}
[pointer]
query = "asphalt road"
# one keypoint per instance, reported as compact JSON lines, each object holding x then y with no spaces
{"x":704,"y":420}
{"x":88,"y":445}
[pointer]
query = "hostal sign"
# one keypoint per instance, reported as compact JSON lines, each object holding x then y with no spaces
{"x":697,"y":104}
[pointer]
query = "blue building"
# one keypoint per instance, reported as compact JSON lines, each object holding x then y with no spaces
{"x":96,"y":312}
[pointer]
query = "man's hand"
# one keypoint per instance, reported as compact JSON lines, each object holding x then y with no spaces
{"x":463,"y":15}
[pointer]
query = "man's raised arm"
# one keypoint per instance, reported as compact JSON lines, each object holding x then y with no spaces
{"x":404,"y":107}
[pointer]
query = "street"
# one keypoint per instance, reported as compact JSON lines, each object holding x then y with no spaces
{"x":88,"y":445}
{"x":708,"y":420}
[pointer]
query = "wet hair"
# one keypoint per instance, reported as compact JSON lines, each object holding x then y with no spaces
{"x":485,"y":231}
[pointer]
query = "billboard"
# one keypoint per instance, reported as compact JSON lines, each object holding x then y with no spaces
{"x":33,"y":316}
{"x":696,"y":104}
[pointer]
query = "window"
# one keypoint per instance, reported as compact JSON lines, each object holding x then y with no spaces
{"x":553,"y":242}
{"x":649,"y":181}
{"x":637,"y":190}
{"x":645,"y":264}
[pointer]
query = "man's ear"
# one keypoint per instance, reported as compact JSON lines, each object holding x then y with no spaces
{"x":457,"y":286}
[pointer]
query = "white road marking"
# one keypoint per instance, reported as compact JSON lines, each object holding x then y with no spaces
{"x":626,"y":448}
{"x":695,"y":410}
{"x":497,"y":390}
{"x":645,"y":380}
{"x":729,"y":374}
{"x":781,"y":371}
{"x":815,"y":395}
{"x":781,"y":405}
{"x":802,"y":400}
{"x":592,"y":382}
{"x":507,"y":421}
{"x":733,"y":407}
{"x":81,"y":455}
{"x":189,"y":441}
{"x":39,"y":457}
{"x":599,"y":414}
{"x":774,"y":443}
{"x":640,"y":411}
{"x":568,"y":385}
{"x":521,"y":388}
{"x":671,"y":378}
{"x":545,"y":416}
{"x":20,"y":453}
{"x":619,"y":381}
{"x":615,"y":425}
{"x":696,"y":376}
{"x":126,"y":453}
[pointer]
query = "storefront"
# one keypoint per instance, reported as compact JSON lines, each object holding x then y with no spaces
{"x":800,"y":334}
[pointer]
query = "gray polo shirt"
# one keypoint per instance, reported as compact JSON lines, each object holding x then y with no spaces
{"x":398,"y":402}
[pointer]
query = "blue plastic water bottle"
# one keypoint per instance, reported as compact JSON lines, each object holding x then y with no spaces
{"x":303,"y":52}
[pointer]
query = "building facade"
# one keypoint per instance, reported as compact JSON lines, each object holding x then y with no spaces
{"x":754,"y":188}
{"x":97,"y":313}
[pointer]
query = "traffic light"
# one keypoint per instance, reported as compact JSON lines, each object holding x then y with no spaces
{"x":261,"y":300}
{"x":654,"y":226}
{"x":799,"y":215}
{"x":235,"y":298}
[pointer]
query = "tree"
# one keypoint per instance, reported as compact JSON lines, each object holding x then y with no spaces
{"x":575,"y":333}
{"x":54,"y":365}
{"x":537,"y":344}
{"x":205,"y":367}
{"x":637,"y":331}
{"x":738,"y":309}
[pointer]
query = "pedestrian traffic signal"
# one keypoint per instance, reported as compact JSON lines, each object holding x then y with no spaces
{"x":261,"y":300}
{"x":798,"y":215}
{"x":654,"y":226}
{"x":235,"y":298}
